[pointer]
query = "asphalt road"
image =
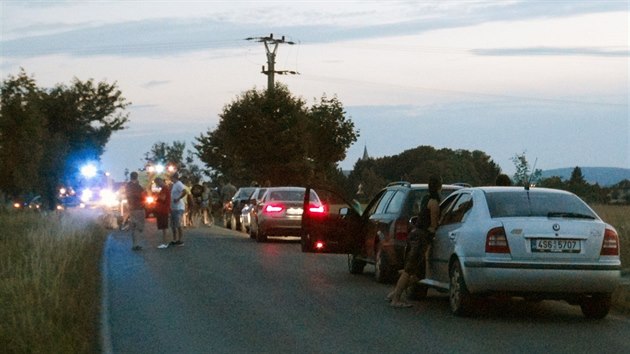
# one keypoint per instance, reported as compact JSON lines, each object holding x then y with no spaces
{"x":224,"y":293}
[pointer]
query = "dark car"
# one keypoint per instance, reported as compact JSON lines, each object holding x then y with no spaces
{"x":232,"y":211}
{"x":279,"y":212}
{"x":377,"y":235}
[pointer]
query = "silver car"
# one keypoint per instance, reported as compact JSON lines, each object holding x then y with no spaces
{"x":279,"y":212}
{"x":535,"y":243}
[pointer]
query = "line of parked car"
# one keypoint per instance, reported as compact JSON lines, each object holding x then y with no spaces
{"x":534,"y":243}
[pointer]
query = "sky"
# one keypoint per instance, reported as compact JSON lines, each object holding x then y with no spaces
{"x":548,"y":78}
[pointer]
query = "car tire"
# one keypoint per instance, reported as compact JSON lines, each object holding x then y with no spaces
{"x":355,"y":265}
{"x":382,"y":266}
{"x":260,"y":236}
{"x":227,"y":221}
{"x":305,"y":243}
{"x":596,"y":306}
{"x":251,"y":232}
{"x":458,"y":296}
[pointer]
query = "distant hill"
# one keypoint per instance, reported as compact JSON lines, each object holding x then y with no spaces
{"x":604,"y":176}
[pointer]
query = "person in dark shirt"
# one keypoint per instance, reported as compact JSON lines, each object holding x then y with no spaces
{"x":418,"y":242}
{"x":135,"y":200}
{"x":163,"y":209}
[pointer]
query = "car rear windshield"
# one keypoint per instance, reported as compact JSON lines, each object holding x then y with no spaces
{"x":528,"y":203}
{"x":291,"y":195}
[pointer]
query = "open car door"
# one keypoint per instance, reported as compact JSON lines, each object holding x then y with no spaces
{"x":330,"y":224}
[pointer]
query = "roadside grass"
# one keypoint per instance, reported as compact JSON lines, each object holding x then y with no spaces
{"x":49,"y":282}
{"x":619,"y":217}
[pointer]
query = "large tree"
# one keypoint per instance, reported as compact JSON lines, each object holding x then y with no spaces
{"x":60,"y":128}
{"x":173,"y":154}
{"x":272,"y":137}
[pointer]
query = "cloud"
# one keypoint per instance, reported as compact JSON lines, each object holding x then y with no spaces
{"x":554,"y":51}
{"x":177,"y":35}
{"x":155,"y":83}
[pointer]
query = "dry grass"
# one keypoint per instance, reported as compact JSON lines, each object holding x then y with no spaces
{"x":50,"y":279}
{"x":619,"y":217}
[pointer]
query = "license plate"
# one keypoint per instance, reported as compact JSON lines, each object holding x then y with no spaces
{"x":556,"y":246}
{"x":294,"y":211}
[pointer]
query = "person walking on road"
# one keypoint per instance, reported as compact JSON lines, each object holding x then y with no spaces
{"x":178,"y":207}
{"x":135,"y":196}
{"x":163,"y":209}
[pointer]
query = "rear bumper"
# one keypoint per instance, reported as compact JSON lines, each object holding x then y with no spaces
{"x":281,"y":227}
{"x":484,"y":276}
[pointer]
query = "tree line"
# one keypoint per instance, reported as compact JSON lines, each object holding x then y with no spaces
{"x":273,"y":138}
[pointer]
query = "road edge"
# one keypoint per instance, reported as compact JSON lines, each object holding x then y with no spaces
{"x":105,"y":330}
{"x":621,"y":296}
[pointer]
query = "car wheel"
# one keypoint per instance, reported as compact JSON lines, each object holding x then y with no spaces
{"x":382,"y":271}
{"x":596,"y":306}
{"x":355,"y":265}
{"x":252,"y":234}
{"x":305,"y":243}
{"x":260,"y":236}
{"x":458,"y":295}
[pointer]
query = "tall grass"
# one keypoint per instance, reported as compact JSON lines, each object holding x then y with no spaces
{"x":50,"y":279}
{"x":619,"y":217}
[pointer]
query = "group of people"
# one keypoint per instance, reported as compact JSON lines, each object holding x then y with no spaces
{"x":170,"y":209}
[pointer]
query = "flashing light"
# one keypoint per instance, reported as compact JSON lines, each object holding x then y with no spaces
{"x":86,"y":195}
{"x":88,"y":171}
{"x":108,"y":197}
{"x":159,"y":168}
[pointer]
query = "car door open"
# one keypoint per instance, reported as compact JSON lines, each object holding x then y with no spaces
{"x":330,"y":224}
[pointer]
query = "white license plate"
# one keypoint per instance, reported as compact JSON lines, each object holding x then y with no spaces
{"x":556,"y":246}
{"x":294,"y":211}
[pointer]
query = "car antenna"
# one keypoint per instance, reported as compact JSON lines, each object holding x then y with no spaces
{"x":528,"y":183}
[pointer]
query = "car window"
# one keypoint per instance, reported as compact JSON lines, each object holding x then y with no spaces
{"x":446,"y":206}
{"x":287,"y":195}
{"x":396,"y":204}
{"x":459,"y":210}
{"x":382,"y":204}
{"x":529,"y":203}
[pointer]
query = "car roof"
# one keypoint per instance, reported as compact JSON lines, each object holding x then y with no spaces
{"x":421,"y":185}
{"x":285,"y":188}
{"x":494,"y":189}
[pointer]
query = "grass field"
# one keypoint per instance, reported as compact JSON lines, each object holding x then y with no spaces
{"x":50,"y":283}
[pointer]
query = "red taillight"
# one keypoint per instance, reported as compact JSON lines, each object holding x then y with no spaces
{"x":496,"y":241}
{"x":401,"y":229}
{"x":150,"y":200}
{"x":319,"y":245}
{"x":316,"y":209}
{"x":610,"y":246}
{"x":273,"y":208}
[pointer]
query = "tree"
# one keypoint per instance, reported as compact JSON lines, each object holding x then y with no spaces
{"x":273,"y":137}
{"x":61,"y":128}
{"x":523,"y":175}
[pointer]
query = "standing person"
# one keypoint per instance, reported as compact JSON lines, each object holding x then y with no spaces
{"x":206,"y":204}
{"x":418,"y":242}
{"x":178,"y":206}
{"x":163,"y":209}
{"x":135,"y":195}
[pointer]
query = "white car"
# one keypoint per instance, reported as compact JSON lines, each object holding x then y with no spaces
{"x":536,"y":243}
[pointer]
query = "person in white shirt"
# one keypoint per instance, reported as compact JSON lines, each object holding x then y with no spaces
{"x":178,"y":206}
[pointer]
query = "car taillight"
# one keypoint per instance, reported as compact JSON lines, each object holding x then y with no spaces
{"x":401,"y":229}
{"x":610,"y":246}
{"x":273,"y":208}
{"x":319,"y":245}
{"x":496,"y":241}
{"x":150,"y":200}
{"x":316,"y":209}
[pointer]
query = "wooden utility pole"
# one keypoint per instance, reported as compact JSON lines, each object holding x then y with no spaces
{"x":271,"y":58}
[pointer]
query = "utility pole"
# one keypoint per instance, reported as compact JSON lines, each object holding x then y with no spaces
{"x":271,"y":58}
